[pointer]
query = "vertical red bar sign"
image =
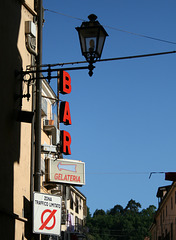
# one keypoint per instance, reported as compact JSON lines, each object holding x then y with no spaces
{"x":64,"y":112}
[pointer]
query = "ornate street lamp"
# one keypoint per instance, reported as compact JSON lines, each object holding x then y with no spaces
{"x":92,"y":36}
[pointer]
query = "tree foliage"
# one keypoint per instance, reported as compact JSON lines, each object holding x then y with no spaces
{"x":120,"y":223}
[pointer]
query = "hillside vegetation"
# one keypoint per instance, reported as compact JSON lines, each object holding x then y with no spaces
{"x":120,"y":223}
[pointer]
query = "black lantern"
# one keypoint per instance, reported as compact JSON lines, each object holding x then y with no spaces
{"x":92,"y":37}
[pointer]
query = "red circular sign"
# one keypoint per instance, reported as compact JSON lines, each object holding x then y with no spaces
{"x":48,"y":219}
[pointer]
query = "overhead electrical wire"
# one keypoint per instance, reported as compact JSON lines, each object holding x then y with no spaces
{"x":114,"y":28}
{"x":65,"y":15}
{"x":141,"y":35}
{"x":111,"y":59}
{"x":125,"y":173}
{"x":114,"y":173}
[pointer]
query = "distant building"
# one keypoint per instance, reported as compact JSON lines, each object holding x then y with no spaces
{"x":74,"y":213}
{"x":164,"y":225}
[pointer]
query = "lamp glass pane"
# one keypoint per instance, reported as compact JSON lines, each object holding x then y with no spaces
{"x":91,"y":44}
{"x":101,"y":41}
{"x":83,"y":44}
{"x":88,"y":38}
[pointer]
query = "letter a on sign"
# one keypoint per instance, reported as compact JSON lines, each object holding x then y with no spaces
{"x":65,"y":82}
{"x":65,"y":142}
{"x":65,"y":116}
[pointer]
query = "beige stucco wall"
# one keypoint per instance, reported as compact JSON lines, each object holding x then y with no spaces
{"x":30,"y":3}
{"x":15,"y":142}
{"x":22,"y":169}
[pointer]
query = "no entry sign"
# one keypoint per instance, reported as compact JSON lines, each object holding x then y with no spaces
{"x":46,"y":214}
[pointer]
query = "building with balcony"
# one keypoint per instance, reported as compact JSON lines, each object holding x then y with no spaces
{"x":164,"y":225}
{"x":74,"y":209}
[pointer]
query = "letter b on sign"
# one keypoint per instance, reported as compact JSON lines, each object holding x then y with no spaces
{"x":65,"y":82}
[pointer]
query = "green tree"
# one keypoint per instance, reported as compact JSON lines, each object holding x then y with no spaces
{"x":99,"y":212}
{"x":117,"y":209}
{"x":120,"y":224}
{"x":133,"y":206}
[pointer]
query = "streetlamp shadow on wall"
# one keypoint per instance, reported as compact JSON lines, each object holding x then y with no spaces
{"x":92,"y":36}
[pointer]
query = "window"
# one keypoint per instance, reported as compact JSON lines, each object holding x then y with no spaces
{"x":80,"y":206}
{"x":76,"y":224}
{"x":171,"y":231}
{"x":171,"y":203}
{"x":77,"y":206}
{"x":161,"y":219}
{"x":71,"y":201}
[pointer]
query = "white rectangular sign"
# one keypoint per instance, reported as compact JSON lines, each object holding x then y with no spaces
{"x":47,"y":214}
{"x":66,"y":171}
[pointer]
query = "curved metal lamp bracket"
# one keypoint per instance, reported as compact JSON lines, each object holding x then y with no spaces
{"x":49,"y":71}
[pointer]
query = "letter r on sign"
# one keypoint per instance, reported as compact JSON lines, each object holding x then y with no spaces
{"x":65,"y":142}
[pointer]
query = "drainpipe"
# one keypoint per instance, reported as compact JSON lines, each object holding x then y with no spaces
{"x":32,"y":139}
{"x":37,"y":167}
{"x":37,"y":163}
{"x":31,"y":47}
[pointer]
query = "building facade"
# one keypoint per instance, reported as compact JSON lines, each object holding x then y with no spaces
{"x":18,"y":30}
{"x":74,"y":209}
{"x":164,"y":226}
{"x":15,"y":147}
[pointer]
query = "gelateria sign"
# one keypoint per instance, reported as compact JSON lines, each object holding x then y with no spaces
{"x":66,"y":171}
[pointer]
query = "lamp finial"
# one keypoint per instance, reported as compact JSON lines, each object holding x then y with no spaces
{"x":92,"y":17}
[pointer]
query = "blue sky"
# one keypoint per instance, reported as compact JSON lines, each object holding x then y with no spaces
{"x":124,"y":116}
